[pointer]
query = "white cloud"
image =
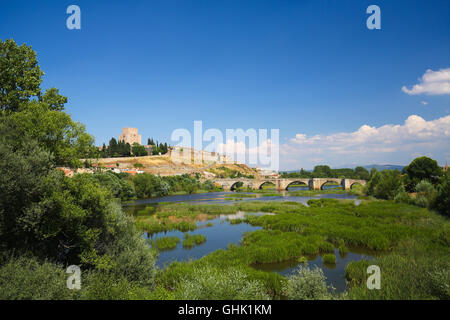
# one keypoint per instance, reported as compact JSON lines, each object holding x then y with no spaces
{"x":431,"y":83}
{"x":387,"y":143}
{"x":424,"y":102}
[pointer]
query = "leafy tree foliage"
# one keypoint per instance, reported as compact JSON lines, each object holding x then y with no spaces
{"x":442,"y":203}
{"x":385,"y":184}
{"x":158,"y":147}
{"x":422,"y":168}
{"x":307,"y":284}
{"x":38,"y":116}
{"x":138,"y":150}
{"x":20,"y":75}
{"x":324,"y":171}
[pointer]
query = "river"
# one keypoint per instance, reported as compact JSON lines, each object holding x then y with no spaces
{"x":220,"y":232}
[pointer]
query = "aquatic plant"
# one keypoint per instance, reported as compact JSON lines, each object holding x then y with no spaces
{"x":329,"y":258}
{"x":164,"y":243}
{"x":191,"y":240}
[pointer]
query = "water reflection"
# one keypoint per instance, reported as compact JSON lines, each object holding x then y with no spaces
{"x":218,"y":236}
{"x":231,"y":197}
{"x":220,"y":232}
{"x":333,"y":272}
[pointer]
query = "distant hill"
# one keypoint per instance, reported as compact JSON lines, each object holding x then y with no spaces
{"x":380,"y":167}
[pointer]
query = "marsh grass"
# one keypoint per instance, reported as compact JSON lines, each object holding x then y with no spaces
{"x":190,"y":240}
{"x":295,"y":231}
{"x":329,"y":258}
{"x":164,"y":243}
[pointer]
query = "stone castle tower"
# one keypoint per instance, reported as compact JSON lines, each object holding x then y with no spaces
{"x":130,"y":135}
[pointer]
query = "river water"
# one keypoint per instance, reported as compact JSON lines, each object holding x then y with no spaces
{"x":220,"y":233}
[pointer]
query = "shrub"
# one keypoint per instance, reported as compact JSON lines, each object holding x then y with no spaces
{"x":307,"y":284}
{"x":403,"y":197}
{"x":426,"y":194}
{"x":210,"y":283}
{"x":440,"y":283}
{"x":442,"y":203}
{"x":389,"y":185}
{"x":106,"y":286}
{"x":28,"y":279}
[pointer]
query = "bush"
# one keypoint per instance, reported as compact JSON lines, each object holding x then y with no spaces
{"x":403,"y":197}
{"x":440,"y":283}
{"x":389,"y":185}
{"x":426,"y":194}
{"x":210,"y":283}
{"x":422,"y":168}
{"x":129,"y":255}
{"x":106,"y":286}
{"x":307,"y":284}
{"x":442,"y":203}
{"x":28,"y":279}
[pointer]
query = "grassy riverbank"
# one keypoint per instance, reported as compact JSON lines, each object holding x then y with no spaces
{"x":410,"y":244}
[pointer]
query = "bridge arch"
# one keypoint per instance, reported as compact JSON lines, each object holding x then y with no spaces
{"x":302,"y":182}
{"x":261,"y":183}
{"x":356,"y":183}
{"x":325,"y":181}
{"x":236,"y":185}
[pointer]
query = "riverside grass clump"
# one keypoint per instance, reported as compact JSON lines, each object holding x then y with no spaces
{"x":296,"y":231}
{"x":329,"y":258}
{"x":164,"y":243}
{"x":191,"y":240}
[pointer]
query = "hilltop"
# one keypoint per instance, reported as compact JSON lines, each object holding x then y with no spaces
{"x":164,"y":165}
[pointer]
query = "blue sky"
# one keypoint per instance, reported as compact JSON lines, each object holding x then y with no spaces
{"x":305,"y":67}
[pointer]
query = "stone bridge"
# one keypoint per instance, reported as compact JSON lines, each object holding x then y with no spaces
{"x":283,"y":184}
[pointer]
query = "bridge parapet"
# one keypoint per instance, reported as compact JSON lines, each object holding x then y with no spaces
{"x":282,"y":184}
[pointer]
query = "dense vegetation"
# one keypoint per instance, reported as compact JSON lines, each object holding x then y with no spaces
{"x":407,"y":242}
{"x":324,"y":171}
{"x":121,"y":149}
{"x":429,"y":186}
{"x":49,"y":221}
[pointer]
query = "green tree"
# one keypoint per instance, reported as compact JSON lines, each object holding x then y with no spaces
{"x":53,"y":99}
{"x":362,"y":173}
{"x":36,"y":116}
{"x":20,"y":75}
{"x":422,"y":168}
{"x":138,"y":150}
{"x":113,"y":150}
{"x":322,"y":171}
{"x":442,"y":203}
{"x":389,"y":185}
